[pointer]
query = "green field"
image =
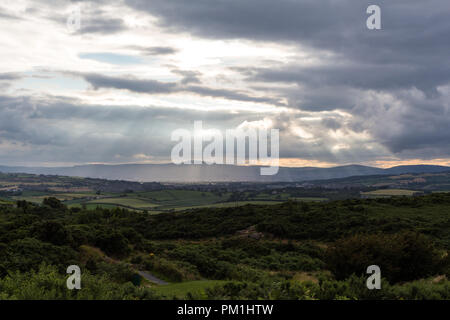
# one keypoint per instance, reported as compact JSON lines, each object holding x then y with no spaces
{"x":309,"y":199}
{"x":390,"y":193}
{"x":180,"y":290}
{"x":125,"y":202}
{"x":229,"y":204}
{"x":59,"y":196}
{"x":172,"y":199}
{"x":163,"y":200}
{"x":91,"y":206}
{"x":140,"y":204}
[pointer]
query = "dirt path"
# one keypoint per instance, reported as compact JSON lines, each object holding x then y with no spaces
{"x":152,"y":278}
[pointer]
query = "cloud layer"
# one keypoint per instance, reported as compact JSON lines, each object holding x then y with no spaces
{"x":113,"y":90}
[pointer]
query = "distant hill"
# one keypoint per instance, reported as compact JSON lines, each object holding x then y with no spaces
{"x":424,"y":181}
{"x":416,"y":169}
{"x":216,"y":173}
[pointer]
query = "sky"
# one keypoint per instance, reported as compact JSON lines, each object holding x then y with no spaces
{"x":113,"y":88}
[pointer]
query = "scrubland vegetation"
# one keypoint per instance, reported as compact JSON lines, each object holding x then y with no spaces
{"x":291,"y":250}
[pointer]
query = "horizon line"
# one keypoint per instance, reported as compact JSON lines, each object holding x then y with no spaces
{"x":228,"y":165}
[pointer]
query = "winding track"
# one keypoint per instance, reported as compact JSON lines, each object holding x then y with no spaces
{"x":152,"y":278}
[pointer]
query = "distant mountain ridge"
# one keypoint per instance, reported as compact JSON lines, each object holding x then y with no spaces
{"x":216,"y":173}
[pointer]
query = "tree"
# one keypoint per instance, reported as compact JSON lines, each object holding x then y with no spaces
{"x":54,"y":203}
{"x":402,"y":257}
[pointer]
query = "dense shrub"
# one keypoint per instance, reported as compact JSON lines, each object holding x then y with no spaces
{"x":112,"y":243}
{"x":209,"y":243}
{"x":353,"y":288}
{"x":53,"y":232}
{"x":401,"y":257}
{"x":53,"y":203}
{"x":171,"y":270}
{"x":28,"y":253}
{"x":48,"y":284}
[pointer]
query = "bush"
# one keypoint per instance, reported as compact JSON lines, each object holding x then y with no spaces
{"x":113,"y":243}
{"x":401,"y":257}
{"x":353,"y":288}
{"x":53,"y":232}
{"x":27,"y":254}
{"x":54,"y":203}
{"x":174,"y":271}
{"x":48,"y":284}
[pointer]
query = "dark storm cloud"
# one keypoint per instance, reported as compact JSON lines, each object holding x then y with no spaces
{"x":387,"y":77}
{"x":188,"y":76}
{"x":60,"y":108}
{"x":130,"y":84}
{"x":154,"y":51}
{"x":252,"y":19}
{"x":229,"y":95}
{"x":10,"y":76}
{"x":408,"y":24}
{"x":409,"y":122}
{"x":411,"y":49}
{"x":394,"y":81}
{"x":95,"y":20}
{"x":7,"y":79}
{"x":159,"y":87}
{"x":331,"y":123}
{"x":92,"y":18}
{"x":102,"y":25}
